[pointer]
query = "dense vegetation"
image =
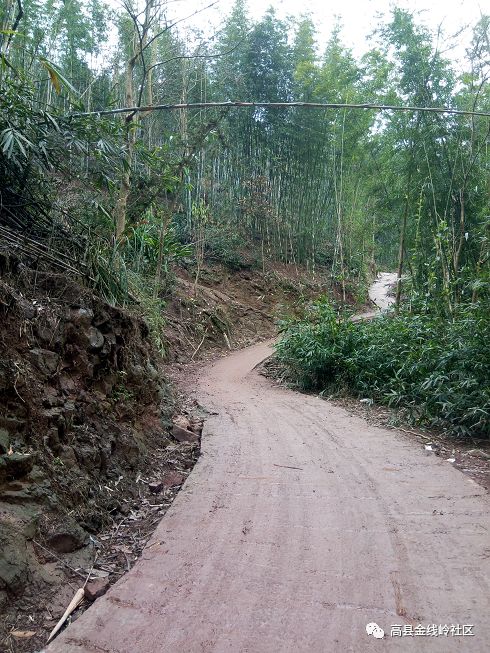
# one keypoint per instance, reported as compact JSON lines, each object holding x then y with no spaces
{"x":437,"y":371}
{"x":116,"y":199}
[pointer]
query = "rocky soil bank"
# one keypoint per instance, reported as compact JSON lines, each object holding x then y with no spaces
{"x":85,"y":420}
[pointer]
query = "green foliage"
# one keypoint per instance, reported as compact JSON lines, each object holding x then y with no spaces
{"x":142,"y":245}
{"x":150,"y":306}
{"x":36,"y":148}
{"x":312,"y":346}
{"x":24,"y":131}
{"x":228,"y":247}
{"x":436,"y":370}
{"x":108,"y":271}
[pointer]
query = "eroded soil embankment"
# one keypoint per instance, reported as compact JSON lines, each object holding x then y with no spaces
{"x":83,"y":414}
{"x":231,"y":309}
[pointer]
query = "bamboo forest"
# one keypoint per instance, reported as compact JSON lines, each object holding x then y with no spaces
{"x":244,"y":326}
{"x":117,"y":199}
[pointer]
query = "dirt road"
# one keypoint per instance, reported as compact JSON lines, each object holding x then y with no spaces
{"x":380,"y":294}
{"x":299,"y":525}
{"x":380,"y":290}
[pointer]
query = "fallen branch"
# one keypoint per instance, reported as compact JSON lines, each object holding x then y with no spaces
{"x":91,"y":569}
{"x":419,"y":435}
{"x":74,"y":603}
{"x":199,"y":345}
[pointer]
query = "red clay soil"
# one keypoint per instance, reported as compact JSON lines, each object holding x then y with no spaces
{"x":299,"y":525}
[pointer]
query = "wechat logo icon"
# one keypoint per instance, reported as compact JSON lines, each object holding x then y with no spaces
{"x":375,"y":630}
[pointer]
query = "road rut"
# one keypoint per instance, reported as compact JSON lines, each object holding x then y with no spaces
{"x":299,"y":525}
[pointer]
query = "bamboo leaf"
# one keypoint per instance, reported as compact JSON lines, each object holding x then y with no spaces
{"x":23,"y":634}
{"x":53,"y":76}
{"x":49,"y":118}
{"x":57,"y":78}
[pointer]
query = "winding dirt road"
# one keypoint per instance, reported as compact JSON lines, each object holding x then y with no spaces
{"x":299,"y":525}
{"x":380,"y":291}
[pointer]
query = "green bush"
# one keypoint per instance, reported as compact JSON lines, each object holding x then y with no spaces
{"x":312,"y":346}
{"x":436,"y":370}
{"x":226,"y":246}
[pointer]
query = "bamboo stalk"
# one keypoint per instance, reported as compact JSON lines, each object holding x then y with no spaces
{"x":278,"y":105}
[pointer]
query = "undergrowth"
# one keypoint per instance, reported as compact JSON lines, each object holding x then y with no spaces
{"x":437,"y":370}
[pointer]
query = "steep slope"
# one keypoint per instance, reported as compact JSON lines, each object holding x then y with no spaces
{"x":230,"y":309}
{"x":84,"y":416}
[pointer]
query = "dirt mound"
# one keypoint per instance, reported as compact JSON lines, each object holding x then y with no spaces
{"x":84,"y":418}
{"x":230,"y":309}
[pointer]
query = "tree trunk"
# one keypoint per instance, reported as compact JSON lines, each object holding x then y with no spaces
{"x":166,"y":217}
{"x":138,"y":48}
{"x":125,"y":188}
{"x":401,"y":252}
{"x":462,"y":237}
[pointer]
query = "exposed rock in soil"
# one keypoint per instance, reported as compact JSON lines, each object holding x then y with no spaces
{"x":44,"y":360}
{"x":84,"y":417}
{"x":183,"y":435}
{"x":96,"y":588}
{"x":16,"y":465}
{"x":4,"y":441}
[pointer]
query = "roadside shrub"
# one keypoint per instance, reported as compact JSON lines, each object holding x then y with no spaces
{"x":313,"y":346}
{"x":436,"y":370}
